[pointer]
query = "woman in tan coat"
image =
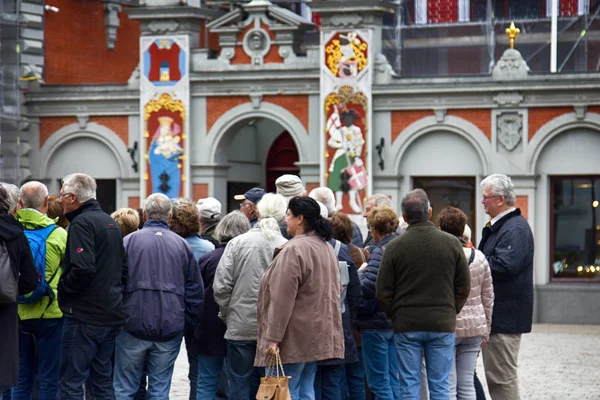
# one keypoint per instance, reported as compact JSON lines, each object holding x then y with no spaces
{"x":473,"y":323}
{"x":299,"y":300}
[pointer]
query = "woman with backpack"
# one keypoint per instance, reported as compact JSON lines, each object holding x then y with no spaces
{"x":18,"y":276}
{"x":473,"y":323}
{"x":378,"y":346}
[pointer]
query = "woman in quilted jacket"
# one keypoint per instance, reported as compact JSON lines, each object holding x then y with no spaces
{"x":379,"y":349}
{"x":474,"y":322}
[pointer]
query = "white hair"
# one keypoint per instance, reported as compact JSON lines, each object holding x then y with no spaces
{"x":13,"y":195}
{"x":324,"y":195}
{"x":158,"y":207}
{"x":381,"y":200}
{"x":324,"y":212}
{"x":81,"y":185}
{"x":33,"y":195}
{"x":500,"y":185}
{"x":271,"y":211}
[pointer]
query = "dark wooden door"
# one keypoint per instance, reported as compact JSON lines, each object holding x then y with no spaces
{"x":281,"y":160}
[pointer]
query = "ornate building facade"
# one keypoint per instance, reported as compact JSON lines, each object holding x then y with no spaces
{"x":195,"y":101}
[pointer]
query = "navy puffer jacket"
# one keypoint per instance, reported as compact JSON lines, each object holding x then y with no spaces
{"x":370,"y":317}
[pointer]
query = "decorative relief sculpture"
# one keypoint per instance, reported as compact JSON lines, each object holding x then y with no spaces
{"x":510,"y":130}
{"x":257,"y":44}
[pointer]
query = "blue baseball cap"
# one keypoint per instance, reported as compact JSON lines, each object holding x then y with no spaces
{"x":254,"y":195}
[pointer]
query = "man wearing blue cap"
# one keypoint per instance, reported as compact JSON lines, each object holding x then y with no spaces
{"x":249,"y":201}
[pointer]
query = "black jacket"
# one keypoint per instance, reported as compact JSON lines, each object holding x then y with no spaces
{"x":508,"y":247}
{"x":353,"y":299}
{"x":209,"y":334}
{"x":11,"y":234}
{"x":95,"y":268}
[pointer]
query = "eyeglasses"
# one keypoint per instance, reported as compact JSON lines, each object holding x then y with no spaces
{"x":486,"y":198}
{"x":61,"y":195}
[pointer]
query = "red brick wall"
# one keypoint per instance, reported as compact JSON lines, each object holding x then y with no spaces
{"x":522,"y":203}
{"x":538,"y":117}
{"x":481,"y":118}
{"x":199,"y":191}
{"x":133,"y":202}
{"x":49,"y":125}
{"x":442,"y":11}
{"x":217,"y":106}
{"x":568,"y":7}
{"x":311,"y":185}
{"x":594,"y":109}
{"x":402,"y":119}
{"x":75,"y":45}
{"x":272,"y":57}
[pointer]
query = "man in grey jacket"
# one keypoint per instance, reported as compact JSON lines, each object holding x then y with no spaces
{"x":163,"y":298}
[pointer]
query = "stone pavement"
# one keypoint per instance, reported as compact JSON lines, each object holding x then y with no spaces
{"x":556,"y":362}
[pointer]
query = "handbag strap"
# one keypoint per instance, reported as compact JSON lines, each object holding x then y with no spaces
{"x":275,"y":365}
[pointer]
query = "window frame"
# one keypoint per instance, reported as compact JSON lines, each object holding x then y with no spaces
{"x":552,"y":179}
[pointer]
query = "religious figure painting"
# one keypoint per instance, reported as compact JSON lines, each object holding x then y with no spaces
{"x":346,"y":143}
{"x":165,"y":119}
{"x":164,"y":62}
{"x":346,"y":54}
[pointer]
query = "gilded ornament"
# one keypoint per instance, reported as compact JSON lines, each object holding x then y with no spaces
{"x":164,"y":101}
{"x":146,"y":134}
{"x":183,"y":178}
{"x":512,"y":31}
{"x":334,"y":54}
{"x":145,"y":176}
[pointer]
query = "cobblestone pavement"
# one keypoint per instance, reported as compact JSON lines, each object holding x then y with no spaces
{"x":556,"y":362}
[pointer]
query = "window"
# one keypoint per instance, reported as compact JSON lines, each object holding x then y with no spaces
{"x":508,"y":9}
{"x":455,"y":192}
{"x":575,"y":227}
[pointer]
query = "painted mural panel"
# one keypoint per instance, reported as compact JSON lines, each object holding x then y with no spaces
{"x":165,"y":123}
{"x":346,"y":117}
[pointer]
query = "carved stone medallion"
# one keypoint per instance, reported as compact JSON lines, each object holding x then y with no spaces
{"x":257,"y":44}
{"x":510,"y":128}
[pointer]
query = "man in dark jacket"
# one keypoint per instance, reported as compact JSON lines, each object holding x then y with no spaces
{"x":507,"y":243}
{"x":89,"y":291}
{"x":163,"y":299}
{"x":15,"y":247}
{"x":423,"y":282}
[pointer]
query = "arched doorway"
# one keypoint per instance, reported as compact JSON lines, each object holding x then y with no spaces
{"x":281,"y":160}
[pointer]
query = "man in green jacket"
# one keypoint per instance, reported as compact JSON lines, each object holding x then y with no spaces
{"x":41,"y":322}
{"x":423,"y":282}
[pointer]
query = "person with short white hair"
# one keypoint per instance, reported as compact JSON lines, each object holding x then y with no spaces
{"x":89,"y":291}
{"x":325,"y":195}
{"x":507,"y":242}
{"x":375,"y":200}
{"x":13,"y":196}
{"x":41,"y":319}
{"x":236,"y":283}
{"x":163,"y":298}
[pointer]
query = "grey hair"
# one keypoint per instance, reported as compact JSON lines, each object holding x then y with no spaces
{"x":233,"y":224}
{"x":415,"y":206}
{"x":500,"y":185}
{"x":324,"y":195}
{"x":33,"y":195}
{"x":13,"y":196}
{"x":271,"y":211}
{"x":381,"y":200}
{"x":158,"y":207}
{"x":4,"y":200}
{"x":81,"y":185}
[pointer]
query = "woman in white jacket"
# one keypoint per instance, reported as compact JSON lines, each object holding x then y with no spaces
{"x":236,"y":284}
{"x":474,"y":322}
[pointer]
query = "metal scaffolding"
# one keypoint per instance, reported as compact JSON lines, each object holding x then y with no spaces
{"x":10,"y":96}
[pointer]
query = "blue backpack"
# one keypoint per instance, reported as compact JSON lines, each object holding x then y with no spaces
{"x":37,"y":242}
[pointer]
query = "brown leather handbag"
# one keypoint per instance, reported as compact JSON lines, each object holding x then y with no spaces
{"x":274,"y":386}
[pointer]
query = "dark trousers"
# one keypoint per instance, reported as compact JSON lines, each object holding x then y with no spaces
{"x":87,"y":352}
{"x":193,"y":363}
{"x":478,"y":388}
{"x":39,"y":353}
{"x":330,"y":382}
{"x":243,"y":378}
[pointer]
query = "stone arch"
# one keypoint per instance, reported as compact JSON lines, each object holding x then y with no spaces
{"x":222,"y":128}
{"x":553,"y":128}
{"x":459,"y":126}
{"x":94,"y":131}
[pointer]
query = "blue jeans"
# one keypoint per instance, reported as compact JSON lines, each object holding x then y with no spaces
{"x":302,"y":383}
{"x":461,"y":375}
{"x":87,"y":351}
{"x":5,"y":393}
{"x":39,"y":353}
{"x":330,"y":382}
{"x":130,"y":353}
{"x":381,"y":364}
{"x":242,"y":377}
{"x":209,"y":372}
{"x":355,"y":378}
{"x":439,"y":356}
{"x":193,"y":362}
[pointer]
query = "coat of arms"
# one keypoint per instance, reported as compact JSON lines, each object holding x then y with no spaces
{"x":510,"y":128}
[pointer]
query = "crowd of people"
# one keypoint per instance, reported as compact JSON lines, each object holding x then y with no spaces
{"x":96,"y":306}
